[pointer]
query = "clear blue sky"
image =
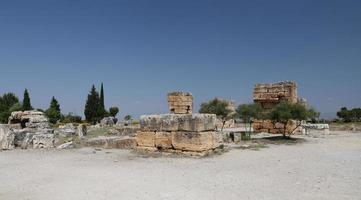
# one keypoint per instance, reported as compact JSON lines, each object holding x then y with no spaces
{"x":142,"y":49}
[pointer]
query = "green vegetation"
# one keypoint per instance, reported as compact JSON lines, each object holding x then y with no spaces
{"x":102,"y":97}
{"x":53,"y":112}
{"x":285,"y":112}
{"x":8,"y":103}
{"x":249,"y":112}
{"x":26,"y":101}
{"x":353,"y":115}
{"x":70,"y":118}
{"x":113,"y":111}
{"x":218,"y":107}
{"x":128,"y":118}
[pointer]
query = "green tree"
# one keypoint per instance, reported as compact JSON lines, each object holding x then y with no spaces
{"x":285,"y":112}
{"x":26,"y":101}
{"x":102,"y":96}
{"x":113,"y":111}
{"x":249,"y":112}
{"x":93,"y":109}
{"x":6,"y":103}
{"x":344,"y":114}
{"x":218,"y":107}
{"x":53,"y":112}
{"x":128,"y":118}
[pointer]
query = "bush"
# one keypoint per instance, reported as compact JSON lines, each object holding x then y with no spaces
{"x":70,"y":118}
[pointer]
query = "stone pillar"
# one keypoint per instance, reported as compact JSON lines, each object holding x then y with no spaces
{"x":180,"y":102}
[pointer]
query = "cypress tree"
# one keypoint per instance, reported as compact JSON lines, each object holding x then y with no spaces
{"x":53,"y":113}
{"x":26,"y":101}
{"x":102,"y":96}
{"x":93,"y":110}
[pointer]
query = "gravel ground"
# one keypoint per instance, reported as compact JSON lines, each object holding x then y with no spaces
{"x":321,"y":168}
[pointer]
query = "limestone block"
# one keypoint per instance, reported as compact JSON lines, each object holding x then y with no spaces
{"x":146,"y":139}
{"x":7,"y":137}
{"x":178,"y":122}
{"x":194,"y":141}
{"x":113,"y":142}
{"x":163,"y":140}
{"x":43,"y":141}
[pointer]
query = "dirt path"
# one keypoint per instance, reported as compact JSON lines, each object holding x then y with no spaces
{"x":321,"y":168}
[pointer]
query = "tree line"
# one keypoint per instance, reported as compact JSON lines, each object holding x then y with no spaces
{"x":353,"y":115}
{"x":94,"y":108}
{"x":282,"y":113}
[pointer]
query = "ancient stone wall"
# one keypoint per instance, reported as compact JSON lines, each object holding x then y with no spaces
{"x":268,"y":96}
{"x":180,"y":102}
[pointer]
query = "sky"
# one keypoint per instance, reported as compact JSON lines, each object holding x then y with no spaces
{"x":143,"y":49}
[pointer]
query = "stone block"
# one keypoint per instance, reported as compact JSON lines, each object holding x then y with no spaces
{"x":7,"y":137}
{"x":163,"y":140}
{"x":178,"y":122}
{"x":113,"y":142}
{"x":146,"y":139}
{"x":194,"y":141}
{"x":43,"y":141}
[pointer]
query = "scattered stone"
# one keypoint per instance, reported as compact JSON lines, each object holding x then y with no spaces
{"x":7,"y":137}
{"x":108,"y":121}
{"x":68,"y":145}
{"x":115,"y":142}
{"x":43,"y":141}
{"x":82,"y":130}
{"x":65,"y":130}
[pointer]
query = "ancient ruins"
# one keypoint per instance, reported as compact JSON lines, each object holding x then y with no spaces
{"x":269,"y":95}
{"x":27,"y":129}
{"x":180,"y":130}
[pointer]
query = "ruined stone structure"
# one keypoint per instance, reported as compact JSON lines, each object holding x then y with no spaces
{"x":179,"y":131}
{"x":180,"y":102}
{"x":268,"y":96}
{"x":31,"y":129}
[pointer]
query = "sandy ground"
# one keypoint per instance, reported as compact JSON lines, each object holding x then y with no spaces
{"x":321,"y":168}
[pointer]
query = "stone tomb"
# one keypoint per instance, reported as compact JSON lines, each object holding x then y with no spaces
{"x":178,"y":132}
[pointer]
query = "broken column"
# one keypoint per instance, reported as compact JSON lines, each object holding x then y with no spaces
{"x":180,"y":130}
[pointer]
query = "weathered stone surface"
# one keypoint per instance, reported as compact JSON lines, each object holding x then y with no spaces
{"x":82,"y":130}
{"x":67,"y":145}
{"x":7,"y":137}
{"x":178,"y":122}
{"x":43,"y":141}
{"x":108,"y":121}
{"x":113,"y":142}
{"x":194,"y":141}
{"x":65,"y":130}
{"x":163,"y":140}
{"x":30,"y":119}
{"x":180,"y":102}
{"x":146,"y":139}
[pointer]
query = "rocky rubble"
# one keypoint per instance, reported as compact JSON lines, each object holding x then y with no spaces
{"x":26,"y":129}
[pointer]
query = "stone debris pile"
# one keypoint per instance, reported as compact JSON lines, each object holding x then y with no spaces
{"x":178,"y":132}
{"x":26,"y":129}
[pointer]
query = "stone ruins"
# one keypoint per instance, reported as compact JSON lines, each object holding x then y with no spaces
{"x":268,"y":96}
{"x":27,"y":129}
{"x":180,"y":131}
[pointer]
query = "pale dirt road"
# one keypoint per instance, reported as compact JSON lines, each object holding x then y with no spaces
{"x":322,"y":168}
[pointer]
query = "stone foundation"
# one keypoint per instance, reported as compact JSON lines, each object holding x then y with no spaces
{"x":182,"y":132}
